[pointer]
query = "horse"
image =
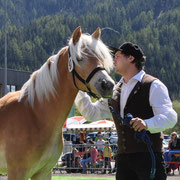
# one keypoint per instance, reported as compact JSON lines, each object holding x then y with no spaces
{"x":32,"y":118}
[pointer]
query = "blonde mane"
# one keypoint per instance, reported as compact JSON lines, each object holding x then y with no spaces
{"x":43,"y":80}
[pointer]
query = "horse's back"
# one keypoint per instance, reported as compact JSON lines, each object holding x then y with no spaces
{"x":8,"y":100}
{"x":9,"y":106}
{"x":6,"y":110}
{"x":14,"y":119}
{"x":6,"y":106}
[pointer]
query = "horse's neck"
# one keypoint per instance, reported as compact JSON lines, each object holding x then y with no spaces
{"x":56,"y":110}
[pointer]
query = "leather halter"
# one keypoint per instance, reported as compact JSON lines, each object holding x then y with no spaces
{"x":85,"y":82}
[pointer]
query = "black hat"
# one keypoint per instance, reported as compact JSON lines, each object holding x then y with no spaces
{"x":129,"y":48}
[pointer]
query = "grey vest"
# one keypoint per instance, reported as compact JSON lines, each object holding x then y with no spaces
{"x":138,"y":105}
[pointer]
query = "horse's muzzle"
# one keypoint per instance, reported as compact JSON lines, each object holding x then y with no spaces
{"x":106,"y":89}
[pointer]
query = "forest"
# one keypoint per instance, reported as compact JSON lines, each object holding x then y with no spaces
{"x":36,"y":29}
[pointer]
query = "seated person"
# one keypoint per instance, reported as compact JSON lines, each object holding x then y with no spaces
{"x":173,"y":147}
{"x":174,"y":142}
{"x":92,"y":156}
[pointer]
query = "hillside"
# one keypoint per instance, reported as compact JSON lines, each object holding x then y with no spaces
{"x":38,"y":28}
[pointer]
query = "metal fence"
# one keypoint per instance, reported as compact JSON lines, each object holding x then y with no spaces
{"x":86,"y":158}
{"x":73,"y":156}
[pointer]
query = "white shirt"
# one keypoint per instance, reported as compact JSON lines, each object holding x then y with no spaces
{"x":126,"y":89}
{"x":164,"y":115}
{"x":100,"y":144}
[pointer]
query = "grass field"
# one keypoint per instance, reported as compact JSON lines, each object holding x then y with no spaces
{"x":81,"y":178}
{"x":88,"y":177}
{"x":176,"y":177}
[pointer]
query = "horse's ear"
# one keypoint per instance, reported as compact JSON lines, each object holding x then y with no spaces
{"x":76,"y":35}
{"x":97,"y":33}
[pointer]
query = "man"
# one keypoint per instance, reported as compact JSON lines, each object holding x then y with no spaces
{"x":98,"y":135}
{"x":89,"y":156}
{"x":147,"y":99}
{"x":100,"y":142}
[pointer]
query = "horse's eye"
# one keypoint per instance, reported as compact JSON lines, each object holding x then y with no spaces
{"x":78,"y":59}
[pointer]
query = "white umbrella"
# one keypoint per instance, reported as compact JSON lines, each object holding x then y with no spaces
{"x":73,"y":121}
{"x":101,"y":125}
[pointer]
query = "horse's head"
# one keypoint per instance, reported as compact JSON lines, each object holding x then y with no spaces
{"x":89,"y":62}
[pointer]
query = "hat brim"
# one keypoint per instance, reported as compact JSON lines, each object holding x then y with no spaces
{"x":113,"y":50}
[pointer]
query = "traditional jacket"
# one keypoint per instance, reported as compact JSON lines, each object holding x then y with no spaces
{"x":138,"y":105}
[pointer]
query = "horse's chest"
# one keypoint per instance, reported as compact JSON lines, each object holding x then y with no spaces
{"x":52,"y":152}
{"x":48,"y":158}
{"x":3,"y":163}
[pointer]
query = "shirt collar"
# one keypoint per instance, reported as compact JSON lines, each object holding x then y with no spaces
{"x":137,"y":77}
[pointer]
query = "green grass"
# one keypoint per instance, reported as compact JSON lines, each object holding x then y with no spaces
{"x":81,"y":178}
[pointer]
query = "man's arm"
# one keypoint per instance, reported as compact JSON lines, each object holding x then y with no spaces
{"x":92,"y":111}
{"x":164,"y":115}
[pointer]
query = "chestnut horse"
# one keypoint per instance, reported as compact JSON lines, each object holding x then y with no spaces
{"x":31,"y":119}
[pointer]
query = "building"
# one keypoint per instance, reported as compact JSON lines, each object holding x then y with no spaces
{"x":15,"y":80}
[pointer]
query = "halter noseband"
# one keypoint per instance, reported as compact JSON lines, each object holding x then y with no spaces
{"x":85,"y":82}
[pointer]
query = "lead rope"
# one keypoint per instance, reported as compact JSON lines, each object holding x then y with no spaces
{"x":139,"y":136}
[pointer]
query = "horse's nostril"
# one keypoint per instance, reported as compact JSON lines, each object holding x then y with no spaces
{"x":104,"y":84}
{"x":106,"y":88}
{"x":111,"y":85}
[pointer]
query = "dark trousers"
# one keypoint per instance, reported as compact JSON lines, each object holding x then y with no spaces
{"x":107,"y":164}
{"x":137,"y":166}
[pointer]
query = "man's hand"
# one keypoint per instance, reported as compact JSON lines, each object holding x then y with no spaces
{"x":138,"y":124}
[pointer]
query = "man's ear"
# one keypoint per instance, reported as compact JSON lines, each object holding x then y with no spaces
{"x":131,"y":58}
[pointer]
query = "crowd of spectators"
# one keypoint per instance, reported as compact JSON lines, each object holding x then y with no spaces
{"x":89,"y":154}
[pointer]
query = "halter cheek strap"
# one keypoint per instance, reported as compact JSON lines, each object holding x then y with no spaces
{"x":89,"y":77}
{"x":85,"y":82}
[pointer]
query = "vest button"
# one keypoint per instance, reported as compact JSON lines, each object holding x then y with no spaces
{"x":123,"y":139}
{"x":124,"y":147}
{"x":122,"y":132}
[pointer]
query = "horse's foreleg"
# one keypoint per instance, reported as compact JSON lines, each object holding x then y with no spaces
{"x":17,"y":175}
{"x":41,"y":176}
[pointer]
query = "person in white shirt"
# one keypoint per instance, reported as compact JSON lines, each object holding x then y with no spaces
{"x":100,"y":142}
{"x":147,"y":99}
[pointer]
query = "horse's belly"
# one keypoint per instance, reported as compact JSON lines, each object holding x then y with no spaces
{"x":3,"y":163}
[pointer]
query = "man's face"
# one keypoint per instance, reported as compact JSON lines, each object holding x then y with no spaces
{"x":173,"y":136}
{"x":121,"y":63}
